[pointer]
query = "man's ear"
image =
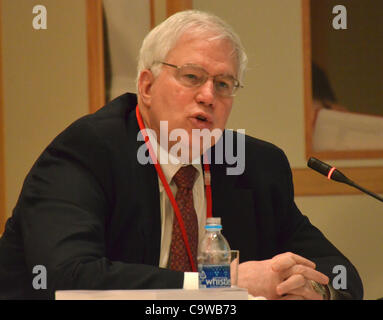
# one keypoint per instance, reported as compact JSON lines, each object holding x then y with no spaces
{"x":145,"y":82}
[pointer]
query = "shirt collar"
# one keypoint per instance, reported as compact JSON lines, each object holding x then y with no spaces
{"x":168,"y":162}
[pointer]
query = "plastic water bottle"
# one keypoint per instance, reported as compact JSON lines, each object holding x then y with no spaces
{"x":214,"y":257}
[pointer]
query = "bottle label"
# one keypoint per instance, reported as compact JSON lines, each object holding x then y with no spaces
{"x":214,"y":276}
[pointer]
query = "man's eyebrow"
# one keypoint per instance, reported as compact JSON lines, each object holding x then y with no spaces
{"x":216,"y":74}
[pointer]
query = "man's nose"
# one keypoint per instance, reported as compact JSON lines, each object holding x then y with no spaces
{"x":206,"y":93}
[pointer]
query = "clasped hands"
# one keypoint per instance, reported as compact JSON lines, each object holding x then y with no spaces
{"x":286,"y":276}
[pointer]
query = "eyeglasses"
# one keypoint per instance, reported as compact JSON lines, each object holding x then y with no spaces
{"x":191,"y":75}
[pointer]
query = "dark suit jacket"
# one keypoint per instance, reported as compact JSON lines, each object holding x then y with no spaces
{"x":90,"y":213}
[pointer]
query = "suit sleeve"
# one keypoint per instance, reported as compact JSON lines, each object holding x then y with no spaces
{"x":299,"y":236}
{"x":62,"y":213}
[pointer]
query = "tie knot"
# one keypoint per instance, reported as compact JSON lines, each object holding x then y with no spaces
{"x":184,"y":178}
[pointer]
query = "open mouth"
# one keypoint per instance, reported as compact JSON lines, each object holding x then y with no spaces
{"x":201,"y":118}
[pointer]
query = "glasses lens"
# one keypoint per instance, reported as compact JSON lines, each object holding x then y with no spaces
{"x":225,"y":85}
{"x":191,"y":76}
{"x":195,"y":76}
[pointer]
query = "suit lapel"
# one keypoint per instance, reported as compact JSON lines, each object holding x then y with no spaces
{"x":150,"y":214}
{"x":147,"y":202}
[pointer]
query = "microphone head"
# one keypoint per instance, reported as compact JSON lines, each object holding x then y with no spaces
{"x":319,"y":166}
{"x":327,"y":170}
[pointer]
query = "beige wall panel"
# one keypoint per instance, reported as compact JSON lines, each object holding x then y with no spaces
{"x":159,"y":11}
{"x":45,"y":81}
{"x":125,"y":34}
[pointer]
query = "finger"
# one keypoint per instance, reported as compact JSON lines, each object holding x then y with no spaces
{"x":308,"y":273}
{"x":307,"y":292}
{"x":288,"y":259}
{"x":294,"y":282}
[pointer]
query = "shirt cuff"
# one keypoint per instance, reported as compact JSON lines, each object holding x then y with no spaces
{"x":191,"y":281}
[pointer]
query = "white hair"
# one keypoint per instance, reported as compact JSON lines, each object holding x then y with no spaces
{"x":160,"y":40}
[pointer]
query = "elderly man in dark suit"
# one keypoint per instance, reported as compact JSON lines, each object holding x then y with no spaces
{"x":96,"y":215}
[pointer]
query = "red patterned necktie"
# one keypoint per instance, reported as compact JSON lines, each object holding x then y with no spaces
{"x":179,"y":259}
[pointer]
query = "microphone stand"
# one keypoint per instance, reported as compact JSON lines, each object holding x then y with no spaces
{"x":376,"y":196}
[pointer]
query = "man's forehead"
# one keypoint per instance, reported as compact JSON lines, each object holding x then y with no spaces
{"x":191,"y":48}
{"x":207,"y":39}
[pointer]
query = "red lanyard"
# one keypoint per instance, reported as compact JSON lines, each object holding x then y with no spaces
{"x":161,"y":175}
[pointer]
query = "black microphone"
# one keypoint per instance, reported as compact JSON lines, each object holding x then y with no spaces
{"x":334,"y":174}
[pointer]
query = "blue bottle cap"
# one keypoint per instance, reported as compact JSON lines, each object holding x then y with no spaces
{"x":213,"y":227}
